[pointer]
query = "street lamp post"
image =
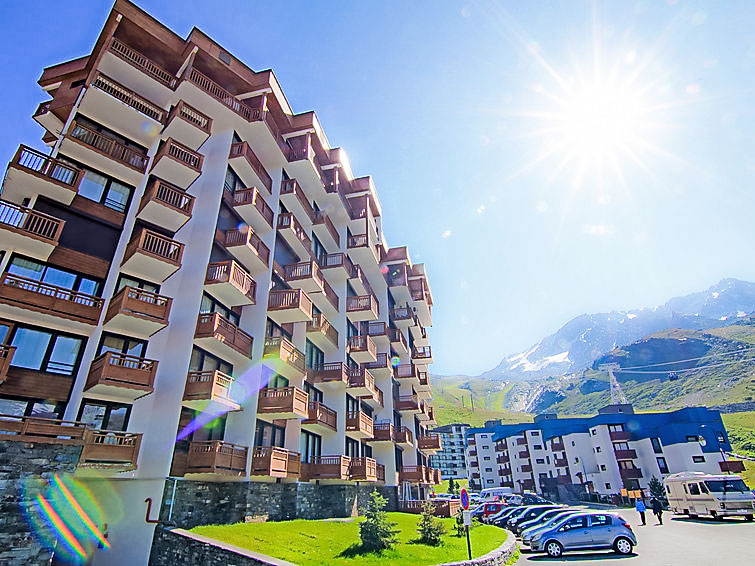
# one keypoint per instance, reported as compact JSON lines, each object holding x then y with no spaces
{"x":702,"y":441}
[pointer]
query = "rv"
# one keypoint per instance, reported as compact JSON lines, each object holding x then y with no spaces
{"x":700,"y":494}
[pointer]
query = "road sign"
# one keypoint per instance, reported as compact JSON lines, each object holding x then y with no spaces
{"x":467,"y":516}
{"x":464,"y":499}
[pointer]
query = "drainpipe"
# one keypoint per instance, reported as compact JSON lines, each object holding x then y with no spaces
{"x":172,"y":499}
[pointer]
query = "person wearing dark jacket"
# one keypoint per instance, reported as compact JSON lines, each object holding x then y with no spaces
{"x":657,"y":507}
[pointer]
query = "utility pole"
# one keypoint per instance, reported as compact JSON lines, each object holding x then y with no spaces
{"x":617,"y":395}
{"x":471,"y":400}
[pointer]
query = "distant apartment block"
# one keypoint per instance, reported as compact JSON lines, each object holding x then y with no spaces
{"x":614,"y":450}
{"x":450,"y":460}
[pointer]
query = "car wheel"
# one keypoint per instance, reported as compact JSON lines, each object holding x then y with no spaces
{"x":623,"y":545}
{"x":748,"y":518}
{"x":554,"y":549}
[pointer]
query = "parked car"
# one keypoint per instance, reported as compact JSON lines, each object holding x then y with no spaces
{"x":489,"y":509}
{"x":531,"y":512}
{"x":528,"y":534}
{"x":520,"y":511}
{"x":504,"y":514}
{"x":477,"y":511}
{"x":594,"y":530}
{"x":539,"y":518}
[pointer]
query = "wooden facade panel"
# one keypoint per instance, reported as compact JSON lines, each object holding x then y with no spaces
{"x":31,"y":384}
{"x":79,"y":262}
{"x":97,"y":210}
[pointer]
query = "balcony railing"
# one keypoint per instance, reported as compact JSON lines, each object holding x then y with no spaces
{"x":128,"y":97}
{"x":155,"y":245}
{"x":402,"y":435}
{"x":244,"y":150}
{"x":429,"y":442}
{"x":382,"y":362}
{"x":362,"y":343}
{"x":557,"y":446}
{"x":216,"y":457}
{"x":383,"y":432}
{"x":304,"y":270}
{"x":247,"y":237}
{"x":363,"y":469}
{"x":107,"y":448}
{"x":630,"y":473}
{"x":358,"y":421}
{"x":326,"y":467}
{"x":231,"y":272}
{"x":142,"y":63}
{"x":320,"y":414}
{"x":288,"y":220}
{"x":320,"y":324}
{"x":222,"y":95}
{"x":191,"y":115}
{"x":620,"y":435}
{"x":30,"y":222}
{"x":110,"y":147}
{"x":34,"y":429}
{"x":321,"y":218}
{"x":208,"y":385}
{"x":121,"y":370}
{"x":288,"y":400}
{"x":521,"y":441}
{"x":283,"y":349}
{"x":282,"y":299}
{"x":422,"y":353}
{"x":408,"y":403}
{"x":362,"y":303}
{"x":376,"y":329}
{"x":526,"y":468}
{"x":275,"y":462}
{"x":332,"y":261}
{"x":251,"y":196}
{"x":145,"y":305}
{"x":291,"y":187}
{"x":330,"y":372}
{"x":560,"y":462}
{"x":168,"y":195}
{"x":45,"y":166}
{"x":397,"y":337}
{"x":179,"y":152}
{"x":402,"y":314}
{"x":405,"y":371}
{"x":625,"y":454}
{"x":51,"y":299}
{"x":213,"y":325}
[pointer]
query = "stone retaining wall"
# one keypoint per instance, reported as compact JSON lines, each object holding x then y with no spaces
{"x":497,"y":557}
{"x":24,"y":467}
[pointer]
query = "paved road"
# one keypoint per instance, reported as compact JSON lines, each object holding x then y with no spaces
{"x":678,"y":542}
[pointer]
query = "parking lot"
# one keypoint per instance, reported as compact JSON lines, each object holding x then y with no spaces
{"x":678,"y":542}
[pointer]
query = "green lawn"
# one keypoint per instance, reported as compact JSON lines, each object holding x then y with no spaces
{"x":443,"y":487}
{"x":741,"y":429}
{"x":312,"y":543}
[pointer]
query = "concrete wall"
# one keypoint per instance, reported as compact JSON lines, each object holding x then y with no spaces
{"x":24,"y":467}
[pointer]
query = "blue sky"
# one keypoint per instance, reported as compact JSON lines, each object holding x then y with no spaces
{"x":470,"y":115}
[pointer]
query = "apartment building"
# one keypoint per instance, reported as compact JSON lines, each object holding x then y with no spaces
{"x":450,"y":460}
{"x":614,"y":450}
{"x":197,"y":284}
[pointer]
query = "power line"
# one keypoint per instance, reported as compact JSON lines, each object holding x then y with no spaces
{"x":692,"y":359}
{"x":696,"y":368}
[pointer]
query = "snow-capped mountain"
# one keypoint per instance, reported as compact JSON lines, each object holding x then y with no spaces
{"x":585,"y":338}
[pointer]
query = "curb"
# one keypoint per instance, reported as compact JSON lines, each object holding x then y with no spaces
{"x":497,"y":557}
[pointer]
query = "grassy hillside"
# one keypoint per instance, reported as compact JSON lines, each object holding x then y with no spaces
{"x":741,"y":428}
{"x":471,"y":400}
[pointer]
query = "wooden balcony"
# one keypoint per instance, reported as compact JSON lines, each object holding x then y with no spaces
{"x":247,"y":247}
{"x":361,"y":382}
{"x":326,"y":468}
{"x":397,"y":278}
{"x":209,"y":388}
{"x":363,"y":469}
{"x":303,"y":164}
{"x":620,"y":435}
{"x":630,"y":473}
{"x":187,"y":125}
{"x":362,"y":308}
{"x":109,"y":102}
{"x":230,"y":283}
{"x":322,"y":334}
{"x":336,"y":267}
{"x":48,"y":431}
{"x":118,"y":377}
{"x":421,"y":299}
{"x":103,"y":153}
{"x":561,"y":462}
{"x":31,"y":173}
{"x":283,"y":403}
{"x":361,"y":349}
{"x":557,"y":446}
{"x":289,"y":305}
{"x":330,"y":375}
{"x":305,"y":275}
{"x":422,"y":355}
{"x":49,"y":120}
{"x":358,"y":425}
{"x":429,"y":443}
{"x":177,"y":164}
{"x":50,"y":301}
{"x":441,"y":508}
{"x":408,"y":404}
{"x":217,"y":457}
{"x":504,"y":470}
{"x":402,"y":317}
{"x":295,"y":234}
{"x":423,"y":384}
{"x":406,"y":373}
{"x":403,"y":437}
{"x":327,"y":301}
{"x":27,"y":231}
{"x":152,"y":256}
{"x":624,"y":454}
{"x":275,"y":462}
{"x":430,"y":414}
{"x":221,"y":337}
{"x":6,"y":357}
{"x":419,"y":335}
{"x":282,"y":357}
{"x":382,"y":367}
{"x":252,"y":207}
{"x":379,"y":332}
{"x":110,"y":450}
{"x":165,"y":205}
{"x":526,"y":468}
{"x":246,"y":164}
{"x":398,"y":341}
{"x":320,"y":419}
{"x":363,"y":251}
{"x":222,"y":96}
{"x":521,"y":441}
{"x":383,"y":432}
{"x":137,"y":312}
{"x":380,"y":473}
{"x":524,"y":454}
{"x":417,"y":474}
{"x":130,"y":57}
{"x":732,"y":466}
{"x":502,"y":459}
{"x":359,"y":282}
{"x":325,"y":230}
{"x":293,"y":198}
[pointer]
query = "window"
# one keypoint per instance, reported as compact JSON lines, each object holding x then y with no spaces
{"x":657,"y":447}
{"x":488,"y":481}
{"x":313,"y":355}
{"x":575,"y":523}
{"x":121,"y":345}
{"x":310,"y":446}
{"x":351,"y":448}
{"x":594,"y":431}
{"x":600,"y":520}
{"x":603,"y":468}
{"x":46,"y":350}
{"x":698,"y":459}
{"x":210,"y":304}
{"x":204,"y":361}
{"x":540,"y":461}
{"x":608,"y":485}
{"x":274,"y":330}
{"x":483,"y":436}
{"x":104,"y":415}
{"x":573,"y":443}
{"x":703,"y":488}
{"x":535,"y":433}
{"x":662,"y":466}
{"x":314,"y":393}
{"x":721,"y":438}
{"x":24,"y":407}
{"x":620,"y":446}
{"x":597,"y":449}
{"x":53,"y":275}
{"x":691,"y":438}
{"x":538,"y":447}
{"x":486,"y":458}
{"x":104,"y":190}
{"x":268,"y":434}
{"x":488,"y":469}
{"x":694,"y":489}
{"x":576,"y":459}
{"x":127,"y":280}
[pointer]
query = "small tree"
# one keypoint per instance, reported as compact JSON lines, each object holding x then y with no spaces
{"x":459,"y":525}
{"x":452,"y":487}
{"x":430,"y":528}
{"x":376,"y":531}
{"x":657,"y":491}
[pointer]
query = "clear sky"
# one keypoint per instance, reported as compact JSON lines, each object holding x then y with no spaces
{"x":544,"y":159}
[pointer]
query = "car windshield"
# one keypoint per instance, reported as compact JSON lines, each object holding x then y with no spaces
{"x":726,"y":486}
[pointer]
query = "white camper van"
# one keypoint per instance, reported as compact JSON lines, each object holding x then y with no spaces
{"x":698,"y":493}
{"x":495,"y":493}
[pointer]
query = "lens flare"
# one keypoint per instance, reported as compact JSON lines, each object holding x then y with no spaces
{"x":63,"y":530}
{"x":395,"y":361}
{"x":81,"y":513}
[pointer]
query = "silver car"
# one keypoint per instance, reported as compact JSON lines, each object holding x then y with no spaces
{"x":529,"y":533}
{"x":593,"y":530}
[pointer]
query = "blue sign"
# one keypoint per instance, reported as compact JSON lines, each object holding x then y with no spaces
{"x":464,"y":499}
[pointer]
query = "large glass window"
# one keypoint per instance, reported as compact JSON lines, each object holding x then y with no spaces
{"x":313,"y":355}
{"x":267,"y":434}
{"x":232,"y":181}
{"x":46,"y":350}
{"x":314,"y":393}
{"x":209,"y":304}
{"x":53,"y":275}
{"x":310,"y":446}
{"x":104,"y":415}
{"x":128,"y":281}
{"x":275,"y":330}
{"x":351,"y":448}
{"x":204,"y":361}
{"x":122,"y":345}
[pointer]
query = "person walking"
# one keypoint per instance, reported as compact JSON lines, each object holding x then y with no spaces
{"x":640,"y":506}
{"x":657,"y":509}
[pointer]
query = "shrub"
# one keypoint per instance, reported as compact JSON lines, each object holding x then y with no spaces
{"x":376,"y":531}
{"x":430,"y":528}
{"x":459,"y":525}
{"x":657,"y":490}
{"x":452,"y":486}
